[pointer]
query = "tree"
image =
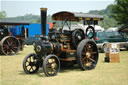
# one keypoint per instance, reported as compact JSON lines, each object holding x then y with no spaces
{"x":108,"y":21}
{"x":2,"y":14}
{"x":120,"y":12}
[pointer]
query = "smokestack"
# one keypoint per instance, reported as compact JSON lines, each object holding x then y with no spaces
{"x":43,"y":20}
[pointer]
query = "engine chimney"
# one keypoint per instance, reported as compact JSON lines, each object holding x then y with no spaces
{"x":43,"y":20}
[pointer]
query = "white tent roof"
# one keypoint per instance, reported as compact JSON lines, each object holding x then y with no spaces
{"x":112,"y":29}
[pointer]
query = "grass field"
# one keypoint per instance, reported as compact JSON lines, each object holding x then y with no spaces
{"x":11,"y":72}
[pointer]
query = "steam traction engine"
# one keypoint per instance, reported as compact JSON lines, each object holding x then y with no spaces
{"x":64,"y":47}
{"x":9,"y":44}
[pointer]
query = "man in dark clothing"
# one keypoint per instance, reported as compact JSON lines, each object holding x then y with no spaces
{"x":5,"y":30}
{"x":22,"y":31}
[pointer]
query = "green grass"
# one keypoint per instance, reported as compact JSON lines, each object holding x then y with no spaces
{"x":11,"y":72}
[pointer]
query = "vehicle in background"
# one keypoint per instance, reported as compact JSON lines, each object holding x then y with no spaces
{"x":103,"y":37}
{"x":31,"y":40}
{"x":124,"y":30}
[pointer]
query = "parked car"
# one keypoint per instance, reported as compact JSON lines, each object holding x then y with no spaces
{"x":110,"y":37}
{"x":31,"y":40}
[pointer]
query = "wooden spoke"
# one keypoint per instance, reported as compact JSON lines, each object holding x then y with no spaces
{"x":93,"y":53}
{"x":84,"y":54}
{"x":7,"y":42}
{"x":30,"y":68}
{"x":83,"y":59}
{"x":92,"y":60}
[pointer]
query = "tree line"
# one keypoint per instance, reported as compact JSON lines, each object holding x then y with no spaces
{"x":2,"y":14}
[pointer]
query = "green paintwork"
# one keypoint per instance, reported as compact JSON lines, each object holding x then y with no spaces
{"x":110,"y":37}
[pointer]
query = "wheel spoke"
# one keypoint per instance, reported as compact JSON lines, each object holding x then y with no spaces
{"x":7,"y":42}
{"x":92,"y":60}
{"x":14,"y":45}
{"x":93,"y":53}
{"x":34,"y":68}
{"x":53,"y":71}
{"x":10,"y":40}
{"x":30,"y":68}
{"x":6,"y":51}
{"x":84,"y":54}
{"x":27,"y":64}
{"x":30,"y":59}
{"x":14,"y":50}
{"x":83,"y":59}
{"x":5,"y":48}
{"x":49,"y":70}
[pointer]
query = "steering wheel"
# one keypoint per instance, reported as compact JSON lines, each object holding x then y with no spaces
{"x":77,"y":36}
{"x":90,"y":32}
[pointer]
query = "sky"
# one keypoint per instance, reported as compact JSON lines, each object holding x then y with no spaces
{"x":21,"y":7}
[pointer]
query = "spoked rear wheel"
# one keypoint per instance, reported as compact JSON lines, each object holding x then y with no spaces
{"x":31,"y":64}
{"x":87,"y":54}
{"x":10,"y":45}
{"x":51,"y":65}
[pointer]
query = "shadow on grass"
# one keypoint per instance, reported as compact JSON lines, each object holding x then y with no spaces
{"x":2,"y":55}
{"x":68,"y":69}
{"x":40,"y":72}
{"x":10,"y":55}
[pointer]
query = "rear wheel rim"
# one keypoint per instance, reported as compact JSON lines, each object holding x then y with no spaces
{"x":88,"y":56}
{"x":10,"y":45}
{"x":51,"y":66}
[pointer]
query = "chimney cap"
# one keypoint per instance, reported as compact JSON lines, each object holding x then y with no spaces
{"x":43,"y":9}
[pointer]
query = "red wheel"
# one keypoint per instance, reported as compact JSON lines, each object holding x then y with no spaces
{"x":10,"y":45}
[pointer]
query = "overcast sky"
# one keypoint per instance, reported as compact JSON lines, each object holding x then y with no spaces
{"x":19,"y":7}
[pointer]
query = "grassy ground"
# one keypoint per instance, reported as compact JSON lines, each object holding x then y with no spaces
{"x":11,"y":72}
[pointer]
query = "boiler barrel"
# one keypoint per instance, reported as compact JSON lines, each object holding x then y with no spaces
{"x":42,"y":47}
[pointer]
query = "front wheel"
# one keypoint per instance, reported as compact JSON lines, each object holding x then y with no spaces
{"x":31,"y":64}
{"x":87,"y":54}
{"x":51,"y":65}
